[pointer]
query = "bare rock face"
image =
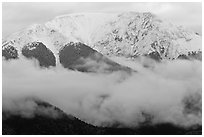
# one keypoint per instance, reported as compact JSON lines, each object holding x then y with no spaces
{"x":40,"y":52}
{"x":191,"y":56}
{"x":78,"y":56}
{"x":9,"y":52}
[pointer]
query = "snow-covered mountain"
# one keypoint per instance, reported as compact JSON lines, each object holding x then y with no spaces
{"x":101,"y":43}
{"x":128,"y":34}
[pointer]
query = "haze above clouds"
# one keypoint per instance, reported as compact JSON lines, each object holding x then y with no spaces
{"x":16,"y":16}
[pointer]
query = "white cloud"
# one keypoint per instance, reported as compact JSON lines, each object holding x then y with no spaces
{"x":103,"y":99}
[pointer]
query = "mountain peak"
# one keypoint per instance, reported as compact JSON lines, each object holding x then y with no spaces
{"x":128,"y":34}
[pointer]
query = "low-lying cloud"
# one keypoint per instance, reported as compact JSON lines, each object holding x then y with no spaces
{"x":168,"y":92}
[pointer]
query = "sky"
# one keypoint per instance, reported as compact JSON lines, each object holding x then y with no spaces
{"x":16,"y":16}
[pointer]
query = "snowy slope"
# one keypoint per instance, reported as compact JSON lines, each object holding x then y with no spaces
{"x":134,"y":34}
{"x":80,"y":27}
{"x":129,"y":34}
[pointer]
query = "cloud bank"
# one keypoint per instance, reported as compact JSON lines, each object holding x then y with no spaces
{"x":168,"y":92}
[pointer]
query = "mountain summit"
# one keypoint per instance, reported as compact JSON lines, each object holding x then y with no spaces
{"x":129,"y":34}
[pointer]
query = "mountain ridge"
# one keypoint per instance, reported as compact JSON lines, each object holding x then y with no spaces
{"x":128,"y":34}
